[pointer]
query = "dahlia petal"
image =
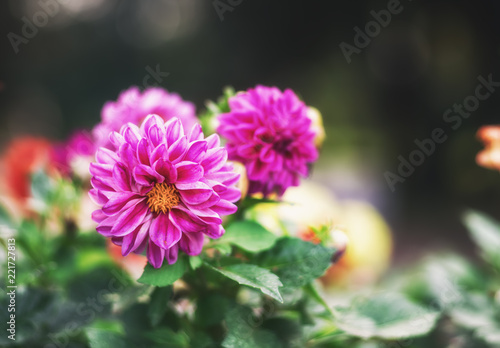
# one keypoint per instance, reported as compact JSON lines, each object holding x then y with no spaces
{"x":258,"y":170}
{"x":188,"y":172}
{"x":132,"y":135}
{"x":106,"y":225}
{"x":116,"y":139}
{"x":163,"y":232}
{"x":214,"y":160}
{"x":159,"y":152}
{"x":102,"y":183}
{"x":127,"y":242}
{"x":156,"y":135}
{"x":105,"y":156}
{"x":172,"y":254}
{"x":130,"y":219}
{"x":143,"y":151}
{"x":146,"y":176}
{"x":213,"y":199}
{"x":149,"y":121}
{"x":248,"y":150}
{"x":226,"y":178}
{"x":196,"y":133}
{"x":98,"y":216}
{"x":267,"y":154}
{"x":213,"y":141}
{"x":192,"y":243}
{"x":187,"y":221}
{"x":177,"y":149}
{"x":142,"y":233}
{"x":128,"y":155}
{"x":155,"y":255}
{"x":214,"y":231}
{"x":121,"y":177}
{"x":167,"y":170}
{"x":194,"y":193}
{"x":231,"y":194}
{"x":224,"y":207}
{"x":173,"y":130}
{"x":97,"y":197}
{"x":196,"y":151}
{"x":118,"y":201}
{"x":98,"y":169}
{"x":206,"y":215}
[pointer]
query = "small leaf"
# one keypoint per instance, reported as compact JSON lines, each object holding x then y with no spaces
{"x":158,"y":304}
{"x":195,"y":262}
{"x":254,"y":277}
{"x":164,"y":276}
{"x":99,"y":338}
{"x":249,"y":235}
{"x":295,"y":261}
{"x":42,"y":188}
{"x":7,"y":225}
{"x":386,"y":316}
{"x":486,"y":234}
{"x":168,"y":338}
{"x":244,"y":333}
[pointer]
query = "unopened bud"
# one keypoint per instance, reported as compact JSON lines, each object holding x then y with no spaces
{"x":317,"y":126}
{"x":339,"y":241}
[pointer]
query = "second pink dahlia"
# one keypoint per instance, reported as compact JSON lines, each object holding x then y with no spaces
{"x":162,"y":189}
{"x":269,"y":131}
{"x":133,"y":106}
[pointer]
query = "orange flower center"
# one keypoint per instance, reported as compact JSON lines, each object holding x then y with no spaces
{"x":163,"y":197}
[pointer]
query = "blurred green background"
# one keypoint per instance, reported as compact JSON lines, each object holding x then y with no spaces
{"x":394,"y":91}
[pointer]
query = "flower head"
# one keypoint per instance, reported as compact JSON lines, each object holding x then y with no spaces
{"x":490,"y":156}
{"x":269,"y":131}
{"x":162,"y":188}
{"x":133,"y":106}
{"x":74,"y":155}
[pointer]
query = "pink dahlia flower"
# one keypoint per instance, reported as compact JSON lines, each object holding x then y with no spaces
{"x":162,"y":188}
{"x":133,"y":106}
{"x":79,"y":147}
{"x":269,"y":131}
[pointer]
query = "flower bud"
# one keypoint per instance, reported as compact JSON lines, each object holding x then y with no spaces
{"x":317,"y":126}
{"x":338,"y":240}
{"x":490,"y":156}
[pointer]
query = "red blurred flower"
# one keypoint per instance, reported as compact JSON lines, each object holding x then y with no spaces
{"x":490,"y":156}
{"x":23,"y":157}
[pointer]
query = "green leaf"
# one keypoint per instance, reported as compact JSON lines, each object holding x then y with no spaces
{"x":100,"y":338}
{"x":158,"y":304}
{"x":211,"y":308}
{"x":168,"y":338}
{"x":243,"y":332}
{"x":443,"y":280}
{"x":165,"y":275}
{"x":295,"y":261}
{"x":386,"y":316}
{"x":128,"y":297}
{"x":42,"y":188}
{"x":195,"y":262}
{"x":7,"y":225}
{"x":254,"y":277}
{"x":249,"y":235}
{"x":486,"y":234}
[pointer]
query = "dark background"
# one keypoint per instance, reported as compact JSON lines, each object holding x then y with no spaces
{"x":393,"y":92}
